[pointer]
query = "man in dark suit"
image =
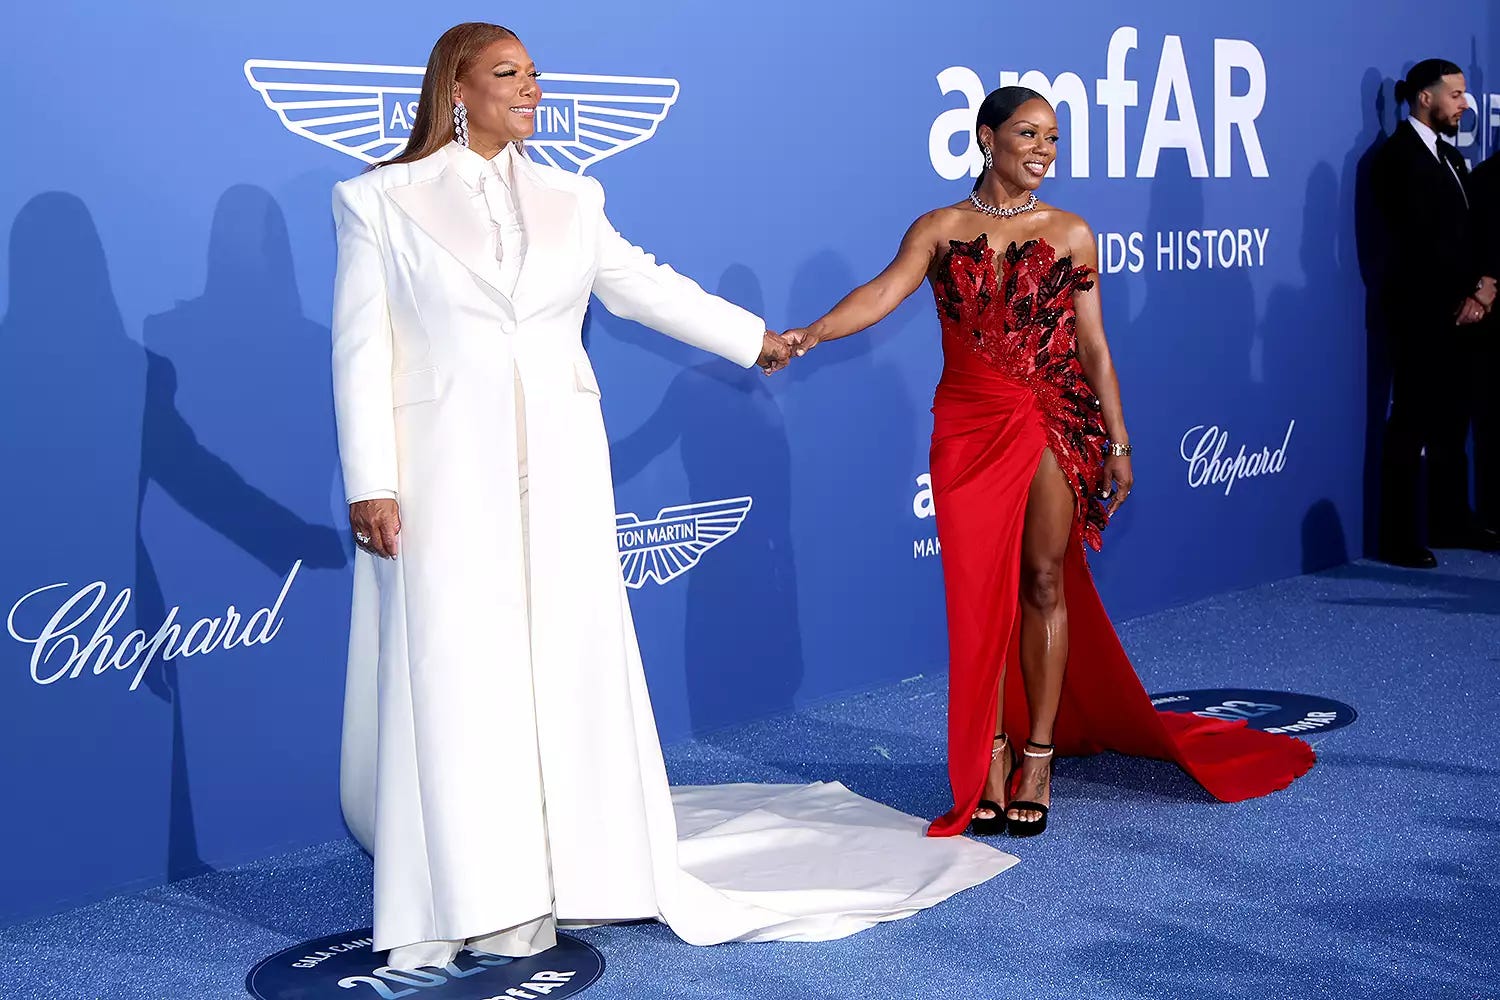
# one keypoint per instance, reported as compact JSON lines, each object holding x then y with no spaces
{"x":1484,"y":192}
{"x":1436,"y":287}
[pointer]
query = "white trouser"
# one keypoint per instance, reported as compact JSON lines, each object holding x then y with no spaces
{"x":524,"y":481}
{"x":534,"y":936}
{"x":531,"y":938}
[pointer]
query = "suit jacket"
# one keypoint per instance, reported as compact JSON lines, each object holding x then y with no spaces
{"x":1433,"y":257}
{"x":1484,"y":193}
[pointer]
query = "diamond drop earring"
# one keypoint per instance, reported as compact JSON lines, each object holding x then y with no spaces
{"x":989,"y":160}
{"x":460,"y":123}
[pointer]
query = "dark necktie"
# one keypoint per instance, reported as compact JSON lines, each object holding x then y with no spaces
{"x":1454,"y":160}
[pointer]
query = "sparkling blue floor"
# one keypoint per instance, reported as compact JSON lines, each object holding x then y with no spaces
{"x":1373,"y":876}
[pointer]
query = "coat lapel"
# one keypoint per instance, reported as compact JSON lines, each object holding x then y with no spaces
{"x":547,"y":213}
{"x":443,"y":208}
{"x":1431,"y":164}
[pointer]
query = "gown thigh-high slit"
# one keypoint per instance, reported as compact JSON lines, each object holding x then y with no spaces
{"x":1043,"y":633}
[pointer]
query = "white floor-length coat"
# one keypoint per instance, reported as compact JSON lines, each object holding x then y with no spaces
{"x":500,"y":757}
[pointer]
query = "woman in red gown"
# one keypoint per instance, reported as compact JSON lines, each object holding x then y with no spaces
{"x":1030,"y":460}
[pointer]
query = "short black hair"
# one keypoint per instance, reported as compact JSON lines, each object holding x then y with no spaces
{"x":1423,"y":75}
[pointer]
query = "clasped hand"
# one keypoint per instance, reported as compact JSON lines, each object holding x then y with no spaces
{"x":778,"y":349}
{"x":1477,"y":305}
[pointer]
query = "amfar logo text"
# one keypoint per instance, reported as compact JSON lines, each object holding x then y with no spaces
{"x":668,"y":545}
{"x":1239,"y":95}
{"x":60,"y":651}
{"x":923,"y":507}
{"x":366,"y":111}
{"x":1203,"y":450}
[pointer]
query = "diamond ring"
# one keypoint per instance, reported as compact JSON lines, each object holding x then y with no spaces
{"x":362,"y":538}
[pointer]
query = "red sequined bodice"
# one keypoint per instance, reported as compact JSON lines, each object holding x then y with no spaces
{"x":1015,"y":316}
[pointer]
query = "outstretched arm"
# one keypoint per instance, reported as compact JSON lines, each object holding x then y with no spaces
{"x":1093,"y":355}
{"x":876,"y":299}
{"x":634,"y":286}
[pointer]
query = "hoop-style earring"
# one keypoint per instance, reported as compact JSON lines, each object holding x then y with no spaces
{"x":460,"y":123}
{"x":989,"y":160}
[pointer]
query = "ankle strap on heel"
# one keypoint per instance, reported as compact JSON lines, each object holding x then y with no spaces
{"x":1002,"y":743}
{"x":1048,"y":747}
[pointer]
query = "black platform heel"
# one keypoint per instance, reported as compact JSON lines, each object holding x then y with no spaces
{"x":996,"y":824}
{"x":1032,"y":827}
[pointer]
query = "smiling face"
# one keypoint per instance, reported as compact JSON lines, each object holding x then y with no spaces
{"x":501,"y":92}
{"x":1023,"y":146}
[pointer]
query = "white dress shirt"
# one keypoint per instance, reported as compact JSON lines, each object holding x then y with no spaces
{"x":1431,"y":139}
{"x":494,"y":201}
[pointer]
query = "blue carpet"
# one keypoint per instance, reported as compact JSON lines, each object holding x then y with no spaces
{"x":1373,"y":876}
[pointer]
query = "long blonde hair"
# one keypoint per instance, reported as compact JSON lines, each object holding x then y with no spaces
{"x":452,"y":57}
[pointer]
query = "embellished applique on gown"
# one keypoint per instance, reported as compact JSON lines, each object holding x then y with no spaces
{"x":1013,"y":388}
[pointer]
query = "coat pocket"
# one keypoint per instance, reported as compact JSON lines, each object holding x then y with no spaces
{"x":583,"y":378}
{"x":415,"y":387}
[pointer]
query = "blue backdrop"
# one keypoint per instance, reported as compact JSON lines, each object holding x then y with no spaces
{"x":165,"y":416}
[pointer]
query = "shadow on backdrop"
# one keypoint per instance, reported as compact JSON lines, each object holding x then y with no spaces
{"x":1224,"y":354}
{"x":92,"y":418}
{"x":1309,"y":364}
{"x":1135,"y":365}
{"x":742,"y":655}
{"x":1221,"y":348}
{"x":1323,"y":544}
{"x":72,"y":385}
{"x":252,"y":375}
{"x":860,"y":410}
{"x":1367,"y":257}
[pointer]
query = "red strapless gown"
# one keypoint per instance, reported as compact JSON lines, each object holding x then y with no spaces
{"x":1012,"y":387}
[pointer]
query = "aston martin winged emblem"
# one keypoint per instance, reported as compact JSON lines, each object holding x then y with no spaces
{"x":668,"y":546}
{"x":366,"y":110}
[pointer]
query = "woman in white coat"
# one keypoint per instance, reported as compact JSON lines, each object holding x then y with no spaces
{"x":500,"y":758}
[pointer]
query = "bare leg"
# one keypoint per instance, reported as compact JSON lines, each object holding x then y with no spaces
{"x":1044,"y":621}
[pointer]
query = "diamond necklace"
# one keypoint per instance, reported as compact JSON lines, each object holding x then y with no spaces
{"x":1003,"y":213}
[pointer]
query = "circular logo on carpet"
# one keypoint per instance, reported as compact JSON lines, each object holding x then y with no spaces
{"x":343,"y":966}
{"x":1270,"y":711}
